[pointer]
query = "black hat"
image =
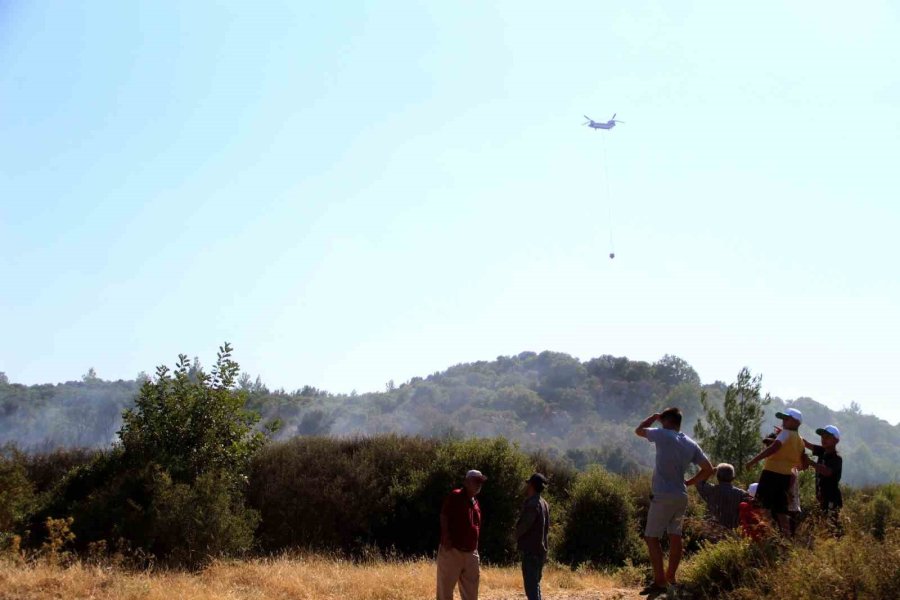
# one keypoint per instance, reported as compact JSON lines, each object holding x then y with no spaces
{"x":538,"y":481}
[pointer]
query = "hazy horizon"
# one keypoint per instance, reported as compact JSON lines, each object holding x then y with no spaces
{"x":293,"y":388}
{"x":368,"y":191}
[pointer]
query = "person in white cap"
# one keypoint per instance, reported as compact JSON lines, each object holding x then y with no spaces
{"x":781,"y":456}
{"x":828,"y":469}
{"x":457,"y":560}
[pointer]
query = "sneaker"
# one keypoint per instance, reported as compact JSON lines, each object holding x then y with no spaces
{"x":653,"y":590}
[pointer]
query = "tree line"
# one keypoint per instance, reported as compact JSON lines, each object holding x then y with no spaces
{"x":582,"y":409}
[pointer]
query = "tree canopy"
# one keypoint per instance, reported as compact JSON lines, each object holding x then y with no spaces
{"x":547,"y":400}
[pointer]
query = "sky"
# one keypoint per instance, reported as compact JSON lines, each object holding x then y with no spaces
{"x":362,"y":191}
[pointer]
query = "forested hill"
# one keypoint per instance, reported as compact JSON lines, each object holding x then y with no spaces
{"x":551,"y":400}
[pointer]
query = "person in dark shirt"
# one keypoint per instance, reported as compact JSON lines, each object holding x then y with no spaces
{"x":828,"y":467}
{"x":723,"y":500}
{"x":457,"y":560}
{"x":531,"y":535}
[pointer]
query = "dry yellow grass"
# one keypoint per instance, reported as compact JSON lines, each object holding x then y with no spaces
{"x":305,"y":578}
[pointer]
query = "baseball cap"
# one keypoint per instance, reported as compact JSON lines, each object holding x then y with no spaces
{"x":830,"y":430}
{"x":752,"y":489}
{"x":792,"y":413}
{"x":538,"y":480}
{"x":475,"y":474}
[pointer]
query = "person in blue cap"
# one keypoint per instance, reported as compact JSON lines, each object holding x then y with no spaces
{"x":828,"y":467}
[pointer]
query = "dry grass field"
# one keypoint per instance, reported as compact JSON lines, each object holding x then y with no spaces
{"x":311,"y":578}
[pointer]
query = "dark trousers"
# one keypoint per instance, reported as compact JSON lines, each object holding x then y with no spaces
{"x":532,"y":570}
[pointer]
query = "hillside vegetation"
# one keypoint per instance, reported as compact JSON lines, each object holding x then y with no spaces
{"x":196,"y":479}
{"x":582,"y":409}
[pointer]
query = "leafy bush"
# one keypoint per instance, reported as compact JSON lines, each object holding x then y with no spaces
{"x":600,"y":526}
{"x":874,"y":510}
{"x":502,"y":495}
{"x":561,"y":472}
{"x":175,"y":488}
{"x":191,"y":423}
{"x":384,"y":491}
{"x":46,"y":469}
{"x":323,"y":493}
{"x":854,"y":566}
{"x":17,"y":495}
{"x":851,"y":566}
{"x":193,"y":523}
{"x":720,"y":567}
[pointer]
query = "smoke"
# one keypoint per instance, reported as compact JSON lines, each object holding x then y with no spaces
{"x":84,"y":414}
{"x":549,"y":400}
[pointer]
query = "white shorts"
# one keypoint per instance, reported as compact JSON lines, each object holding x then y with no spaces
{"x":666,"y":515}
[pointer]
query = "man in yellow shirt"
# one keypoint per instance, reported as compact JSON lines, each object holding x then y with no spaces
{"x":782,"y":456}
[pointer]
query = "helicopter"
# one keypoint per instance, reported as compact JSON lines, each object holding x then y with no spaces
{"x":595,"y":125}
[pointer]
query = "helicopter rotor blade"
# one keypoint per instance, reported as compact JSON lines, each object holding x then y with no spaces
{"x":587,"y":117}
{"x":613,"y":118}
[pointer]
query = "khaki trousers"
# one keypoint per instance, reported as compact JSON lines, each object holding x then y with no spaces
{"x":455,"y":566}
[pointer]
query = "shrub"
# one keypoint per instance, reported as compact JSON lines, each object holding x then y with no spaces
{"x":17,"y":495}
{"x":96,"y":495}
{"x":560,"y":470}
{"x":720,"y":567}
{"x":330,"y":494}
{"x":383,"y":492}
{"x":501,"y":497}
{"x":854,"y":566}
{"x":175,"y":487}
{"x":192,"y":523}
{"x":600,"y":527}
{"x":59,"y":535}
{"x":874,"y":510}
{"x":46,"y":469}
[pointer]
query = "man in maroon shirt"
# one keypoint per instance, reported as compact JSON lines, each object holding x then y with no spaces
{"x":457,"y":560}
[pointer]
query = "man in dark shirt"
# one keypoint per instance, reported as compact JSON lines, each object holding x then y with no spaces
{"x":828,"y":469}
{"x":531,"y":535}
{"x":723,"y":500}
{"x":457,"y":560}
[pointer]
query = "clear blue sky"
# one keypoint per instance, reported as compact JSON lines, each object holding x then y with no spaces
{"x":354,"y":192}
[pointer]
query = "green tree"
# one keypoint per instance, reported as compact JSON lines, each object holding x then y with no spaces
{"x":732,"y":433}
{"x":190,"y":422}
{"x":673,"y":370}
{"x":187,"y":446}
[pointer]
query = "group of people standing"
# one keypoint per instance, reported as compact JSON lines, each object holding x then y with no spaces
{"x":731,"y":507}
{"x":776,"y":493}
{"x":458,"y":563}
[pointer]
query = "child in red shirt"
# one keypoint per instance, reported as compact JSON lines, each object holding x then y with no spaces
{"x":752,"y":522}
